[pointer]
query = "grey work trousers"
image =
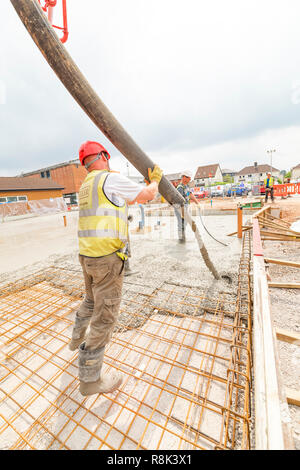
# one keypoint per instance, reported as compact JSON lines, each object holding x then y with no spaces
{"x":103,"y":279}
{"x":181,"y":222}
{"x":269,"y":191}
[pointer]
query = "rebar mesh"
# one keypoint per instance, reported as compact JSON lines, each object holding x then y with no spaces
{"x":185,"y":359}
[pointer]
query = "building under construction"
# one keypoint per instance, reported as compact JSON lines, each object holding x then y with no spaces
{"x":70,"y":175}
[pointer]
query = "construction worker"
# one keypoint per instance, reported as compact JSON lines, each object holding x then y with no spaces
{"x":184,"y":190}
{"x":269,"y":182}
{"x":102,"y":233}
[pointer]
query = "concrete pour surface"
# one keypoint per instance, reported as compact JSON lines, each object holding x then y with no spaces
{"x":38,"y":241}
{"x":153,"y":407}
{"x":28,"y":245}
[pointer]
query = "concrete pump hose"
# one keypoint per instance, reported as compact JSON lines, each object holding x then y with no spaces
{"x":42,"y":33}
{"x":202,"y":247}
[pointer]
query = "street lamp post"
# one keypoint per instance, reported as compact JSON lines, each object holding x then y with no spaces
{"x":271,"y":153}
{"x":209,"y":177}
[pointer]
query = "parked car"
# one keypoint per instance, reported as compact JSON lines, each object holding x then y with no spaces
{"x":262,"y":188}
{"x":201,"y":194}
{"x":217,"y":191}
{"x":238,"y":191}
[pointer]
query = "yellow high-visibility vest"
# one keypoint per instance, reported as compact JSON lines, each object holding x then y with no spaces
{"x":271,"y":182}
{"x":103,"y":225}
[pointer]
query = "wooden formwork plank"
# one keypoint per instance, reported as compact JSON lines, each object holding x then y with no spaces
{"x":257,"y":245}
{"x":280,"y":235}
{"x":282,"y":262}
{"x":277,"y":228}
{"x":264,"y":210}
{"x":281,"y":239}
{"x":272,"y":427}
{"x":270,"y":216}
{"x":269,"y":431}
{"x":288,"y":336}
{"x":293,"y":396}
{"x":285,"y":285}
{"x":244,"y":229}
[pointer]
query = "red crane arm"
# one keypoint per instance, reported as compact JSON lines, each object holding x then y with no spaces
{"x":48,"y":7}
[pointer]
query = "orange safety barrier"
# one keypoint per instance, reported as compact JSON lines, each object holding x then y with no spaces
{"x":285,"y":189}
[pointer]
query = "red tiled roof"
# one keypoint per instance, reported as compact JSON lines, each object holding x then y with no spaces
{"x":256,"y":169}
{"x":204,"y":171}
{"x":15,"y":183}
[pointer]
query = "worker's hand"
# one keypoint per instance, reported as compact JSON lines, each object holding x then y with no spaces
{"x":194,"y":226}
{"x":155,"y":174}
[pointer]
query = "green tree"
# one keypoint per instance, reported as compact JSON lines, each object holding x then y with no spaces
{"x":228,"y":179}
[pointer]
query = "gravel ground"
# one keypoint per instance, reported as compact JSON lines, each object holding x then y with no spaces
{"x":286,"y":314}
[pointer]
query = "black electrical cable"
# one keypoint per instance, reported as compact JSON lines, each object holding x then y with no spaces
{"x":208,"y":231}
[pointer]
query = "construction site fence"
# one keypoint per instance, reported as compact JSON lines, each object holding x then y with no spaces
{"x":286,"y":189}
{"x":38,"y":207}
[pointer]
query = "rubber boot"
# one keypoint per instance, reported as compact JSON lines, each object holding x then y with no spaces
{"x":91,"y":380}
{"x":181,"y":237}
{"x":181,"y":233}
{"x":79,"y":330}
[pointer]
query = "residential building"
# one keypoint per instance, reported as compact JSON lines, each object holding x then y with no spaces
{"x":295,"y":173}
{"x":255,"y":173}
{"x":207,"y":174}
{"x":69,"y":175}
{"x":16,"y":189}
{"x":228,"y":175}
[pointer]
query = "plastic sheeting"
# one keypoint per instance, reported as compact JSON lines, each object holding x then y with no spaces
{"x":39,"y":207}
{"x":48,"y":206}
{"x":295,"y":226}
{"x":13,"y":208}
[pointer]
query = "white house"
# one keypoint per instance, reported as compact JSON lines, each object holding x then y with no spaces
{"x":227,"y":173}
{"x":205,"y":175}
{"x":295,"y":173}
{"x":255,"y":174}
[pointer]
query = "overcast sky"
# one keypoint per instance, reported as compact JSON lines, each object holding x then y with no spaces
{"x":192,"y":82}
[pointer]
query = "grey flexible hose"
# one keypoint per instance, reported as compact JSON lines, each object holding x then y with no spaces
{"x":207,"y":230}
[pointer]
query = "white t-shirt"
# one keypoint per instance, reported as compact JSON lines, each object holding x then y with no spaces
{"x":118,"y":189}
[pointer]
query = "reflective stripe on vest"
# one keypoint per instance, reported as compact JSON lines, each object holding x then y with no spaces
{"x":101,"y":234}
{"x":271,"y":182}
{"x":103,"y":226}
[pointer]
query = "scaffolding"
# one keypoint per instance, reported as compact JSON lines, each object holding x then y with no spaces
{"x":185,"y":356}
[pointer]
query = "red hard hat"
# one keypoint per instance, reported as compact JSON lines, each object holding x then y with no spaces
{"x":91,"y":148}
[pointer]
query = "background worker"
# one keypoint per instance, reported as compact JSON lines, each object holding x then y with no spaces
{"x":184,"y":189}
{"x":102,"y":232}
{"x":269,"y":182}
